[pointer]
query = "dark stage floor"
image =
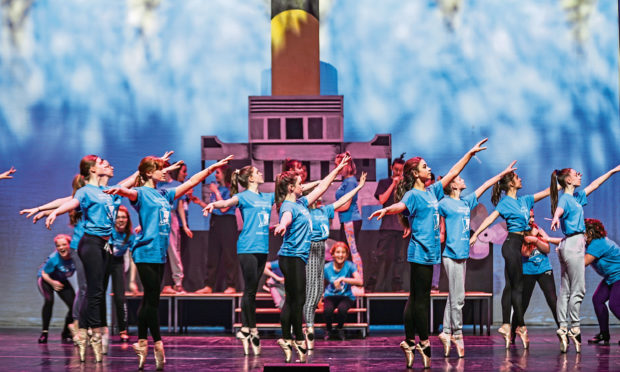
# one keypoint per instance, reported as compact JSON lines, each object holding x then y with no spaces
{"x":20,"y":352}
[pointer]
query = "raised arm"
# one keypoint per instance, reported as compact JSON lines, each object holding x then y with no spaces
{"x":325,"y":182}
{"x":599,"y":181}
{"x":45,"y":207}
{"x":199,"y":177}
{"x":309,"y":185}
{"x":493,"y":180}
{"x":458,"y":167}
{"x":486,"y":223}
{"x":220,"y":204}
{"x":348,"y":196}
{"x":7,"y":174}
{"x":285,"y":221}
{"x":64,"y":208}
{"x":130,"y":194}
{"x":395,"y":208}
{"x":541,"y":195}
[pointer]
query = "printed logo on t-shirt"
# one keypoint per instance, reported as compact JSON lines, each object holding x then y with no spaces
{"x":465,"y":223}
{"x":263,"y":219}
{"x":164,"y":217}
{"x":525,"y":212}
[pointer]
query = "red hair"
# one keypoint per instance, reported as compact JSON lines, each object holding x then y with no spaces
{"x":340,"y":245}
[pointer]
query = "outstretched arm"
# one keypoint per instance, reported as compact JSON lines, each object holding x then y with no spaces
{"x":45,"y":207}
{"x":458,"y":167}
{"x":599,"y":181}
{"x":493,"y":180}
{"x":130,"y":194}
{"x":310,"y":185}
{"x":220,"y":204}
{"x":7,"y":174}
{"x":395,"y":208}
{"x":64,"y":208}
{"x":325,"y":182}
{"x":285,"y":221}
{"x":541,"y":195}
{"x":199,"y":177}
{"x":348,"y":196}
{"x":486,"y":223}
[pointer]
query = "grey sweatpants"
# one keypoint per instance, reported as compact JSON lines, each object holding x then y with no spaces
{"x":174,"y":250}
{"x":453,"y":314}
{"x":573,"y":283}
{"x":314,"y":280}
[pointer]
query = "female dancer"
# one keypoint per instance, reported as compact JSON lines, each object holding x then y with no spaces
{"x":222,"y":230}
{"x":295,"y":225}
{"x":568,"y":213}
{"x":121,"y":242}
{"x":421,"y":206}
{"x":516,"y":211}
{"x":150,"y":247}
{"x":252,"y":245}
{"x":604,"y":256}
{"x":320,"y":217}
{"x":349,"y":212}
{"x":340,"y":275}
{"x":455,"y":210}
{"x":52,"y":277}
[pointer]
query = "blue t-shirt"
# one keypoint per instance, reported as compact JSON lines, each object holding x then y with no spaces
{"x":353,"y":213}
{"x":516,"y":212}
{"x":255,"y":210}
{"x":225,"y":193}
{"x":320,"y":222}
{"x":572,"y":221}
{"x":607,"y":262}
{"x":423,"y":215}
{"x":297,"y":236}
{"x":537,"y":263}
{"x":331,"y":275}
{"x":153,"y":207}
{"x":57,"y":268}
{"x":78,"y":232}
{"x":98,"y":209}
{"x":118,"y":244}
{"x":456,"y":214}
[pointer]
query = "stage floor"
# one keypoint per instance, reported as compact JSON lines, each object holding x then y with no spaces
{"x":19,"y":351}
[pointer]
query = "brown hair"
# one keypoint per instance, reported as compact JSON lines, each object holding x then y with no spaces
{"x":128,"y":228}
{"x":240,"y":177}
{"x":557,"y":176}
{"x":502,"y":185}
{"x":283,"y":181}
{"x":174,"y":174}
{"x":406,"y":184}
{"x":148,"y":164}
{"x":76,"y":184}
{"x":595,"y":229}
{"x":86,"y":164}
{"x":340,"y":245}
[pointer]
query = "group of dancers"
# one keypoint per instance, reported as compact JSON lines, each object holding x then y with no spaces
{"x":421,"y":205}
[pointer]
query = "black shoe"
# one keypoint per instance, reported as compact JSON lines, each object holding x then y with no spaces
{"x":600,"y":338}
{"x":66,"y":337}
{"x":43,"y":338}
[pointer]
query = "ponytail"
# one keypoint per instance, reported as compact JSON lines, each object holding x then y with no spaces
{"x":148,"y":164}
{"x":77,"y":183}
{"x":557,"y":177}
{"x":283,"y":180}
{"x":240,"y":177}
{"x":502,"y":185}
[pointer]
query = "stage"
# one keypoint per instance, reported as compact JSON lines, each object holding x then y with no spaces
{"x":378,"y":352}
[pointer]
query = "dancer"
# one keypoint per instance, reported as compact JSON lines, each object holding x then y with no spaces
{"x":295,"y":225}
{"x":455,"y":211}
{"x":252,"y":244}
{"x":320,"y":217}
{"x":516,"y":211}
{"x":604,"y":256}
{"x":53,"y":277}
{"x":340,"y":274}
{"x":150,"y":247}
{"x":421,"y":207}
{"x":350,"y":211}
{"x":222,"y":233}
{"x":567,"y":212}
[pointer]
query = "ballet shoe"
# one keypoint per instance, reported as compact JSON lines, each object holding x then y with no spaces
{"x":425,"y":351}
{"x":522,"y":333}
{"x":408,"y":350}
{"x":575,"y":335}
{"x":82,"y":341}
{"x":124,"y":336}
{"x":255,"y":343}
{"x":141,"y":348}
{"x":287,"y":347}
{"x":245,"y":341}
{"x":160,"y":356}
{"x":563,"y":336}
{"x":43,"y":338}
{"x":457,"y":340}
{"x":445,"y":341}
{"x":505,"y":331}
{"x":97,"y":344}
{"x":310,"y":338}
{"x":302,"y":350}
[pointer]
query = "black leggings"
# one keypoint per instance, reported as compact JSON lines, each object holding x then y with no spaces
{"x":117,"y":273}
{"x":294,"y":270}
{"x":221,"y":252}
{"x":96,"y":261}
{"x":417,"y":309}
{"x":343,"y":303}
{"x":512,"y":297}
{"x":547,"y":286}
{"x":252,"y":267}
{"x":151,"y":275}
{"x":66,"y":294}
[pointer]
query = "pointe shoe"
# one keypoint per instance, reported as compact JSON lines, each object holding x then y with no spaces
{"x":522,"y":333}
{"x":575,"y":335}
{"x":563,"y":336}
{"x":425,"y":351}
{"x":310,"y":338}
{"x":600,"y":337}
{"x":287,"y":347}
{"x":408,"y":350}
{"x":245,"y":341}
{"x":43,"y":338}
{"x":160,"y":356}
{"x":457,"y":340}
{"x":141,"y":348}
{"x":302,"y":350}
{"x":124,"y":336}
{"x":255,"y":343}
{"x":82,"y":341}
{"x":105,"y":342}
{"x":504,"y":330}
{"x":97,"y":343}
{"x":445,"y":341}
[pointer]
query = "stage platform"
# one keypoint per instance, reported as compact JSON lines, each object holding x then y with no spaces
{"x":19,"y":351}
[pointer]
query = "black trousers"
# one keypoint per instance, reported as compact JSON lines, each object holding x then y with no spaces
{"x":417,"y":309}
{"x":512,"y":297}
{"x":66,"y":294}
{"x":96,"y":261}
{"x":546,"y":283}
{"x":117,"y":273}
{"x":294,"y":270}
{"x":252,"y":267}
{"x":330,"y":303}
{"x":151,"y":276}
{"x":387,"y":262}
{"x":221,"y":250}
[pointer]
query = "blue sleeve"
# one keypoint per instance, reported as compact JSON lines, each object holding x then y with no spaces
{"x":471,"y":200}
{"x":170,"y":194}
{"x":303,"y":201}
{"x":272,"y":198}
{"x":80,"y":195}
{"x":437,"y":189}
{"x":500,"y":208}
{"x":581,"y":197}
{"x":50,"y":265}
{"x":329,"y":211}
{"x":242,"y":201}
{"x":562,"y":202}
{"x":287,"y":207}
{"x":137,"y":202}
{"x":529,"y":201}
{"x":409,"y":201}
{"x":352,"y":268}
{"x":596,"y":248}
